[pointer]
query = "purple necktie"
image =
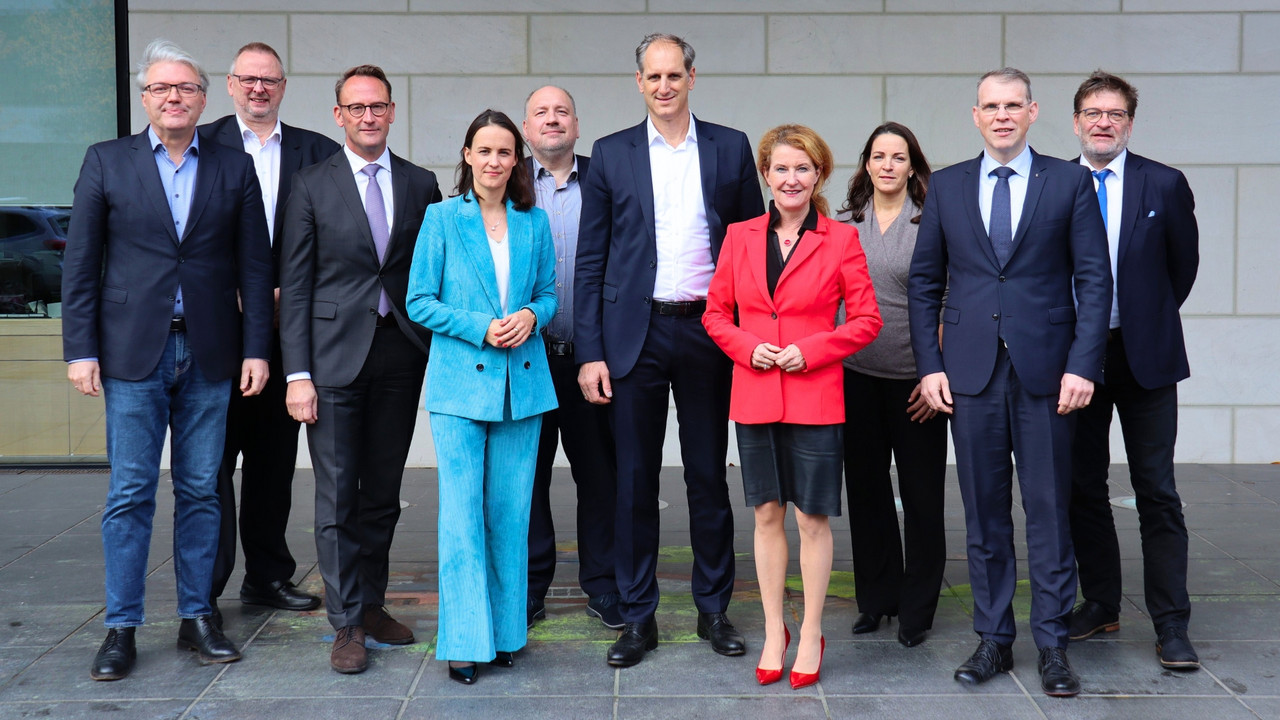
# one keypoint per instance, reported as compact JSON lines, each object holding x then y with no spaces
{"x":377,"y":214}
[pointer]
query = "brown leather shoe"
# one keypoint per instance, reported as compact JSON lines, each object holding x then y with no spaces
{"x":385,"y":629}
{"x":349,"y":655}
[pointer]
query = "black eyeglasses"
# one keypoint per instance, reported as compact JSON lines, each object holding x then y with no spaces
{"x":357,"y":109}
{"x":248,"y":81}
{"x":161,"y":90}
{"x":1093,"y":115}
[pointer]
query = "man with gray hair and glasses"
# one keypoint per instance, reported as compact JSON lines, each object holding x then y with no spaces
{"x":166,"y":234}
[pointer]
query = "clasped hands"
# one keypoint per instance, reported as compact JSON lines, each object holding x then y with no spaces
{"x":788,"y":359}
{"x":512,"y":330}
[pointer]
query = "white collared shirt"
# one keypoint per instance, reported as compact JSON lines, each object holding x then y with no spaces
{"x":1017,"y":187}
{"x":384,"y":179}
{"x":266,"y":161}
{"x":1115,"y":203}
{"x":679,"y":218}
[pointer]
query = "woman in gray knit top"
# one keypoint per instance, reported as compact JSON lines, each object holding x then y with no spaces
{"x":884,"y":412}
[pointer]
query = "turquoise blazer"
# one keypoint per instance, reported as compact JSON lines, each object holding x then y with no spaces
{"x":453,"y":291}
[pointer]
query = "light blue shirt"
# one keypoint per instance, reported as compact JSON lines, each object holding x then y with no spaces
{"x":179,"y":183}
{"x":563,"y":205}
{"x":1115,"y":203}
{"x":1017,"y":187}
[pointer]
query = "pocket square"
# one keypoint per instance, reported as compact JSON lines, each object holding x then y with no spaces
{"x":1151,"y":214}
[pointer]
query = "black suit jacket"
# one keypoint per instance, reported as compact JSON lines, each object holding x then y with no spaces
{"x":1156,"y":266}
{"x":617,"y":245}
{"x":124,"y":263}
{"x":1050,"y":302}
{"x":298,"y":149}
{"x":330,"y":277}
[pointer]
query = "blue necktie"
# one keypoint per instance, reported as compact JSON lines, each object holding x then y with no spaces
{"x":1001,"y":224}
{"x":376,"y":211}
{"x":1101,"y":177}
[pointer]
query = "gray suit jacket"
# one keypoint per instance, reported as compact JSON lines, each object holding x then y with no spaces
{"x":330,"y":277}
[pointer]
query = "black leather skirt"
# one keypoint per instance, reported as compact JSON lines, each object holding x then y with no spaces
{"x":798,"y":464}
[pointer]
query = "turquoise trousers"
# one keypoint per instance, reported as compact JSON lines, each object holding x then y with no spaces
{"x":486,"y":484}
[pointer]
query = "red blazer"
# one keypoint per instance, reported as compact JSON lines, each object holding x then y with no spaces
{"x":825,"y":268}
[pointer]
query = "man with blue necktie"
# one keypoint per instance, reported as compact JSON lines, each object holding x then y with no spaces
{"x":1017,"y":239}
{"x":1149,"y":213}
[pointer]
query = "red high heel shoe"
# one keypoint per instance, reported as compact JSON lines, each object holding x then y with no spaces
{"x":769,"y":677}
{"x":799,"y":679}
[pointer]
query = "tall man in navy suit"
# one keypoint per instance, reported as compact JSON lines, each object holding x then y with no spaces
{"x":353,"y":359}
{"x":1014,"y":235}
{"x":166,"y":233}
{"x":551,"y":129}
{"x":655,"y":205}
{"x":259,"y":428}
{"x":1151,"y":230}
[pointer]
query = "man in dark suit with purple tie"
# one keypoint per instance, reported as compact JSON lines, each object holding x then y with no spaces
{"x":1151,"y":230}
{"x":1015,"y":242}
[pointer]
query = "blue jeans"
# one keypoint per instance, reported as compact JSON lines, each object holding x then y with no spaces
{"x":176,"y":395}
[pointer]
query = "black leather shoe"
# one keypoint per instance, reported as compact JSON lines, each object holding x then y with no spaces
{"x":605,"y":608}
{"x":1089,"y":618}
{"x":537,"y":611}
{"x":116,"y":656}
{"x":910,"y":638}
{"x":503,"y":659}
{"x":725,"y":638}
{"x":636,"y":640}
{"x":466,"y":674}
{"x":990,"y":659}
{"x":1175,"y":651}
{"x":866,"y":623}
{"x":201,"y":635}
{"x":1057,"y":679}
{"x":277,"y":594}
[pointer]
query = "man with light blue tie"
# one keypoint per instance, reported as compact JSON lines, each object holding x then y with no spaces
{"x":1149,"y":213}
{"x":1017,"y":239}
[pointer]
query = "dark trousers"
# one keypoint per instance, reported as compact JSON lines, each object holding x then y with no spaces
{"x":677,"y":358}
{"x":1003,"y":419}
{"x":260,"y":429}
{"x":1149,"y":422}
{"x":359,"y":444}
{"x":876,"y":428}
{"x":588,"y":444}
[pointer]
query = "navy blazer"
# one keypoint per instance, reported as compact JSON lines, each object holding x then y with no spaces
{"x":1156,"y":266}
{"x":617,"y":246}
{"x":298,"y":149}
{"x":124,"y":263}
{"x":1059,"y":249}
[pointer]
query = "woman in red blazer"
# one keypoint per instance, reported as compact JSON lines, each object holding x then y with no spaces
{"x":784,"y":275}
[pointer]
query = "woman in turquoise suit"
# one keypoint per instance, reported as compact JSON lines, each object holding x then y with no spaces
{"x":483,"y":281}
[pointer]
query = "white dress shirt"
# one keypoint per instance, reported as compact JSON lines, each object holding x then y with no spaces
{"x":1115,"y":202}
{"x":266,"y":160}
{"x":679,"y":218}
{"x":1017,"y":187}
